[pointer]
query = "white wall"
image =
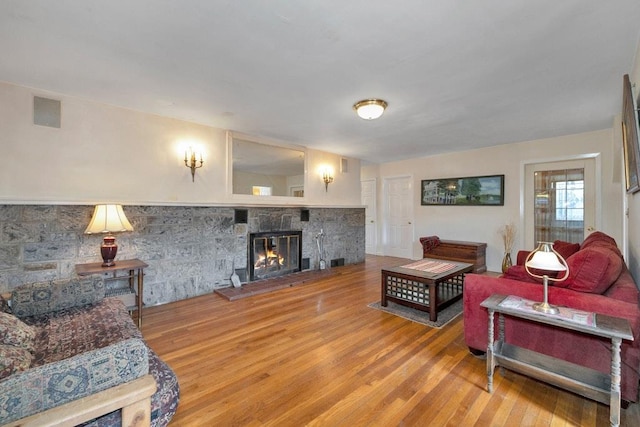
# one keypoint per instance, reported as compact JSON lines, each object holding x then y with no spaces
{"x":481,"y":223}
{"x":103,"y":153}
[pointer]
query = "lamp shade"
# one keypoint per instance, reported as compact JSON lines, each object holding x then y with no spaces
{"x":108,"y":219}
{"x":543,"y":260}
{"x":370,"y":109}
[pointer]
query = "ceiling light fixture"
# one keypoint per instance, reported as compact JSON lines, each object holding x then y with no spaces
{"x":370,"y":109}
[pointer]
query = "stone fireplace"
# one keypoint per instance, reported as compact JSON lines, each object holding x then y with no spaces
{"x":273,"y":254}
{"x":191,"y":250}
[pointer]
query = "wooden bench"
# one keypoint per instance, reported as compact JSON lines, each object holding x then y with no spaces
{"x":455,"y":250}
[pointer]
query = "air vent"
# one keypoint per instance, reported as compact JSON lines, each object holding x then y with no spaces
{"x":46,"y":112}
{"x":240,"y":216}
{"x":338,"y":262}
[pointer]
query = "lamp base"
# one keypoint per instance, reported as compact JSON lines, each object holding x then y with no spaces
{"x":108,"y":250}
{"x":545,"y":307}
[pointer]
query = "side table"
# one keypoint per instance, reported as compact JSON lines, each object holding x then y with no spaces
{"x":579,"y":379}
{"x":134,"y":268}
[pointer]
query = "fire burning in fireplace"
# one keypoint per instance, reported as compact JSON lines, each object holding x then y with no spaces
{"x":270,"y":259}
{"x":274,"y":254}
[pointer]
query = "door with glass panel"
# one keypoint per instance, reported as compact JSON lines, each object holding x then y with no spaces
{"x":560,"y":201}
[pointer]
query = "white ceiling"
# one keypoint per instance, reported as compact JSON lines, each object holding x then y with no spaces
{"x":457,"y":74}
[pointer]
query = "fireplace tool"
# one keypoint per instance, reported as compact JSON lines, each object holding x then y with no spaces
{"x":320,"y":243}
{"x":235,"y":280}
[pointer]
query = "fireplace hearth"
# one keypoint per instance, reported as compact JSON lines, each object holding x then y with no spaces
{"x":273,"y":254}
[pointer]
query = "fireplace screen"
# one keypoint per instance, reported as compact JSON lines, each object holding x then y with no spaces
{"x":274,"y":254}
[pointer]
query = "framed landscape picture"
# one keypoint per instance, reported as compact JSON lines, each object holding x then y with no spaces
{"x":470,"y":191}
{"x":630,"y":138}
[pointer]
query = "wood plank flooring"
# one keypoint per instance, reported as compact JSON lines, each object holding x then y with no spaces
{"x":316,"y":355}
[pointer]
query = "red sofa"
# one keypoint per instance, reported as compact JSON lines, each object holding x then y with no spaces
{"x":598,"y":281}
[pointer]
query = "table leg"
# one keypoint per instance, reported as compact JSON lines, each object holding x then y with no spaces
{"x":139,"y":299}
{"x":614,"y":404}
{"x":490,"y":362}
{"x":501,"y":336}
{"x":383,"y":290}
{"x":433,"y":301}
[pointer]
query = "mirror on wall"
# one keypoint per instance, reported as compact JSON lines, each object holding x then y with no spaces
{"x":266,"y":170}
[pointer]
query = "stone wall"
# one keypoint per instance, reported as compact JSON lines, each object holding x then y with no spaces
{"x":190,"y":250}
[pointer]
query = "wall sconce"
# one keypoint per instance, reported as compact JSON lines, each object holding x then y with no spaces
{"x":190,"y":162}
{"x":327,"y":177}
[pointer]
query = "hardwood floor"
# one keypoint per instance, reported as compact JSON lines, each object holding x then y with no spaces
{"x":316,"y":355}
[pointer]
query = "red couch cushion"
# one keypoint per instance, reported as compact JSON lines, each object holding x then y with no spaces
{"x":518,"y":272}
{"x":592,"y":269}
{"x":566,"y":249}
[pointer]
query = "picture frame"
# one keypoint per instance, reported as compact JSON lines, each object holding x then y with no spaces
{"x":468,"y":191}
{"x":630,"y":138}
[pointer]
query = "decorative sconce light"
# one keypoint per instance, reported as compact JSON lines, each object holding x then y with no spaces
{"x":370,"y":109}
{"x":108,"y":219}
{"x":190,"y":162}
{"x":327,"y":177}
{"x":545,"y":258}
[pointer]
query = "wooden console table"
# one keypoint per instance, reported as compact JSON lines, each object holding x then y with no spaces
{"x":134,"y":268}
{"x":584,"y":381}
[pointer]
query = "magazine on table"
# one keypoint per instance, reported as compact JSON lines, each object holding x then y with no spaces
{"x":569,"y":314}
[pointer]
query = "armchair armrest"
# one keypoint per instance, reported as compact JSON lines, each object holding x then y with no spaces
{"x":522,"y":257}
{"x":47,"y":386}
{"x":33,"y":299}
{"x":133,"y":397}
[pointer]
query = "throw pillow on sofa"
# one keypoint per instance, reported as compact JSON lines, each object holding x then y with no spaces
{"x":518,"y":272}
{"x":566,"y":249}
{"x":34,"y":299}
{"x":601,"y":240}
{"x":13,"y":359}
{"x":592,"y":270}
{"x":14,"y":331}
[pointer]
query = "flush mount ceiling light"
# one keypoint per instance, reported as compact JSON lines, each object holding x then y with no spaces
{"x":370,"y":109}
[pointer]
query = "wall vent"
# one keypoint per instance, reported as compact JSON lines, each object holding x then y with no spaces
{"x":46,"y":112}
{"x":240,"y":216}
{"x":338,"y":262}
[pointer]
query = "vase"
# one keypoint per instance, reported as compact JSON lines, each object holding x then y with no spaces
{"x":506,"y":262}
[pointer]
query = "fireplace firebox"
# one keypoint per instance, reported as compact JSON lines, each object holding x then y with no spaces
{"x":273,"y":254}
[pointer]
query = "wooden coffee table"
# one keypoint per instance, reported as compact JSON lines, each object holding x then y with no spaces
{"x":424,"y":290}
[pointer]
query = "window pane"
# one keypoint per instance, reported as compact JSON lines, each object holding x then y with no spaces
{"x":559,"y":205}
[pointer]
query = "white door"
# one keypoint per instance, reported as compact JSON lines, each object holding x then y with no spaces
{"x":560,"y":201}
{"x":368,"y":195}
{"x":398,"y":214}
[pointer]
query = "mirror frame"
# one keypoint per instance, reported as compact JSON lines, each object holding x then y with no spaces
{"x":268,"y":199}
